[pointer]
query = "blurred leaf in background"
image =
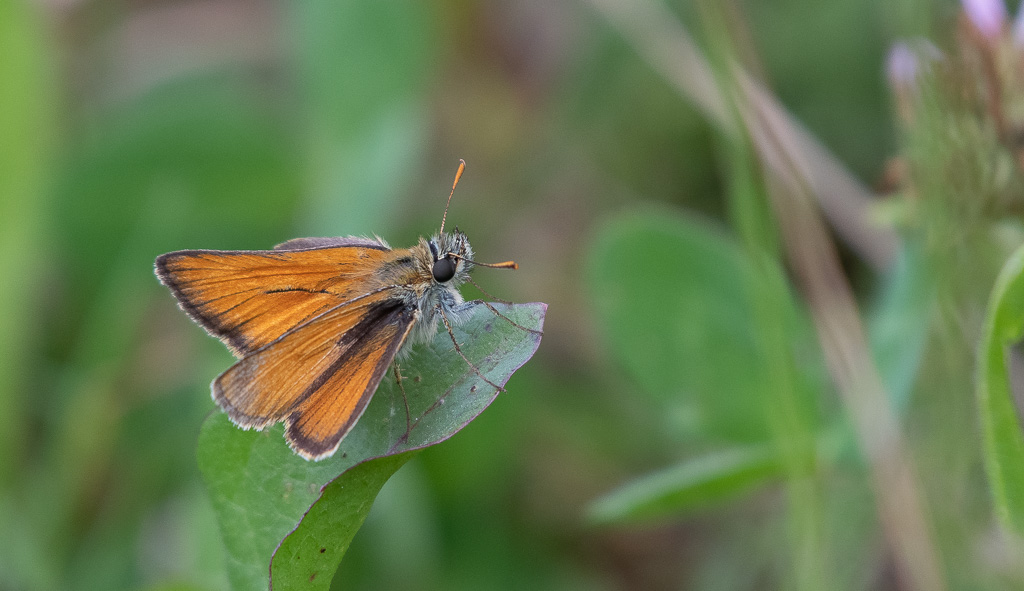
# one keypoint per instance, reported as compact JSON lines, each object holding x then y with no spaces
{"x":363,"y":71}
{"x":28,"y":111}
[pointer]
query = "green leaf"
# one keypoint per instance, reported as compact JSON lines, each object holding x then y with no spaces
{"x":898,"y":325}
{"x":691,"y":485}
{"x":1000,"y":417}
{"x":671,"y":292}
{"x":310,"y":555}
{"x":261,"y":490}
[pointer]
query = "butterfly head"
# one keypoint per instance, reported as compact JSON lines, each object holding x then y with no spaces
{"x":452,"y":256}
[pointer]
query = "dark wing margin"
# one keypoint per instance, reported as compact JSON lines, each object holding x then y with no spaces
{"x":318,"y":377}
{"x":250,"y":298}
{"x":313,"y":430}
{"x":163,"y":267}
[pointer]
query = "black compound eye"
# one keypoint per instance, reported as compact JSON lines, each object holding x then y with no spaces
{"x":444,"y":270}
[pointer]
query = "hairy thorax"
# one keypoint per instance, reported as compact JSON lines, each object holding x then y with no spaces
{"x":411,"y":272}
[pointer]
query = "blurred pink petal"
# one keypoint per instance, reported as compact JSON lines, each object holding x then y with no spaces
{"x":908,"y":59}
{"x":901,"y":65}
{"x":988,"y":16}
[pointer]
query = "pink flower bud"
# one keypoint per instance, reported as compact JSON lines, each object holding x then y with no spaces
{"x":901,"y":65}
{"x":909,"y":59}
{"x":988,"y":16}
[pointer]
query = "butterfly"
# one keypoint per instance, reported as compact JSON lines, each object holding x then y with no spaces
{"x":317,"y":322}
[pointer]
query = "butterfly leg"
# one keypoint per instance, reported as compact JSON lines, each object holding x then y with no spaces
{"x":485,"y":292}
{"x":495,"y":310}
{"x":405,"y":399}
{"x":458,"y":350}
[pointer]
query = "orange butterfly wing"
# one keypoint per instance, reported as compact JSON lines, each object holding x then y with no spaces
{"x":320,"y":376}
{"x":249,"y":298}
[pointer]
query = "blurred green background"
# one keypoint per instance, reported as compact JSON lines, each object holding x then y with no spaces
{"x":679,"y":341}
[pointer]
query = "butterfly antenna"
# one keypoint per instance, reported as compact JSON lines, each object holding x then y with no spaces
{"x":501,"y":265}
{"x":458,"y":175}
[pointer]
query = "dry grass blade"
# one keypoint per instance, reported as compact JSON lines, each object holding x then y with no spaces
{"x":815,"y":262}
{"x":667,"y":47}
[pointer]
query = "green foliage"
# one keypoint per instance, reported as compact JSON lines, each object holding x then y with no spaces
{"x":314,"y":549}
{"x":998,"y":404}
{"x":898,"y":325}
{"x":262,"y":491}
{"x":788,"y":412}
{"x":669,"y":288}
{"x":27,"y":126}
{"x":688,"y":486}
{"x":180,"y":159}
{"x":363,"y":70}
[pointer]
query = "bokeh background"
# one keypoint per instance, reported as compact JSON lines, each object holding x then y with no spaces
{"x":686,"y":338}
